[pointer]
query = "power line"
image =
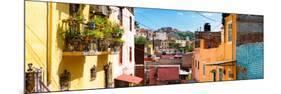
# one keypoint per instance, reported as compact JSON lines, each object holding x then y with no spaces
{"x":217,"y":26}
{"x":139,"y":23}
{"x":145,"y":25}
{"x":149,"y":19}
{"x":206,"y":16}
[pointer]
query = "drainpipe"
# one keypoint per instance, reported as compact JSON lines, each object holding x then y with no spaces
{"x":47,"y":55}
{"x":49,"y":43}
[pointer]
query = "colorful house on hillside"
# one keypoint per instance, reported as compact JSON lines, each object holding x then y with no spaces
{"x":55,"y":62}
{"x":162,"y":73}
{"x":217,"y":61}
{"x":147,"y":34}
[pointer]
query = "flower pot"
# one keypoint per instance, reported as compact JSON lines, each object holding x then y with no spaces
{"x":70,"y":47}
{"x":92,"y":47}
{"x":76,"y":44}
{"x":108,"y":49}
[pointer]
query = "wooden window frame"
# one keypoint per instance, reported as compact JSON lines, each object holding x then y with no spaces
{"x":130,"y":53}
{"x":121,"y":55}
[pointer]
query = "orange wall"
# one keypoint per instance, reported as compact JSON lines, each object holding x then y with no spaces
{"x":225,"y":52}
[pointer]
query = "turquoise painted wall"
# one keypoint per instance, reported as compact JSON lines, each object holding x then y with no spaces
{"x":251,"y":57}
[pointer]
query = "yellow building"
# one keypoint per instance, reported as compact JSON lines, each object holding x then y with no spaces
{"x":149,"y":49}
{"x":60,"y":70}
{"x":217,"y":63}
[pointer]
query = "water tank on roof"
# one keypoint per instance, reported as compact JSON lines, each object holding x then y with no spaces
{"x":207,"y":27}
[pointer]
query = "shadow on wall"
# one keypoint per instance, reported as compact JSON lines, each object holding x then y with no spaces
{"x":62,"y":9}
{"x":74,"y":65}
{"x":78,"y":65}
{"x":101,"y":61}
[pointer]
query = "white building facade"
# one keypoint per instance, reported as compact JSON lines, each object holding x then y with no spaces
{"x":124,"y":63}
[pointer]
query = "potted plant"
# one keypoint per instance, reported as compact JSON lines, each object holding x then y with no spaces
{"x":93,"y":37}
{"x":117,"y":31}
{"x":73,"y":37}
{"x":117,"y":43}
{"x":116,"y":35}
{"x":98,"y":36}
{"x":72,"y":40}
{"x":107,"y":40}
{"x":93,"y":34}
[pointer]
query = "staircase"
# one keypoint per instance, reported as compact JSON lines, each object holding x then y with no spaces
{"x":34,"y":81}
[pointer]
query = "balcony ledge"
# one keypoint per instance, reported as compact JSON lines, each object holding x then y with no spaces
{"x":83,"y":53}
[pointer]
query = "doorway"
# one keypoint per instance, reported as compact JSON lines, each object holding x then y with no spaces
{"x":220,"y":74}
{"x":214,"y":76}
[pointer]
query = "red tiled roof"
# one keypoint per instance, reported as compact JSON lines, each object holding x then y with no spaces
{"x":148,"y":59}
{"x":152,"y":79}
{"x":142,"y":30}
{"x":168,"y":73}
{"x":178,"y":55}
{"x":167,"y":56}
{"x":128,"y":78}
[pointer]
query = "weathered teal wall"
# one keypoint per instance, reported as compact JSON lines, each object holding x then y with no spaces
{"x":251,"y":57}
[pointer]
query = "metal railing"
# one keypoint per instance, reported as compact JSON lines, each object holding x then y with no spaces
{"x":34,"y":82}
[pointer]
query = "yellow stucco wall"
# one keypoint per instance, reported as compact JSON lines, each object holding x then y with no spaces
{"x":36,"y":35}
{"x":78,"y":66}
{"x":43,"y":26}
{"x":57,"y":12}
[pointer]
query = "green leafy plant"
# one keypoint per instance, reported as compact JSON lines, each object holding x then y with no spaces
{"x":79,"y":19}
{"x":141,"y":40}
{"x":102,"y":34}
{"x":100,"y":21}
{"x":119,"y":40}
{"x":97,"y":34}
{"x":71,"y":35}
{"x":72,"y":39}
{"x":188,"y":48}
{"x":174,"y":45}
{"x":117,"y":31}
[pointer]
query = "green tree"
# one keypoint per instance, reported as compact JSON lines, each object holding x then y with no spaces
{"x":141,"y":40}
{"x":184,"y":34}
{"x":189,"y":48}
{"x":174,"y":45}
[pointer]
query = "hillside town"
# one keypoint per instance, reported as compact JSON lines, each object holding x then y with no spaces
{"x":81,"y":46}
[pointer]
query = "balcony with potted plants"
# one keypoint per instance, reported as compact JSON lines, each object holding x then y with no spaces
{"x":97,"y":36}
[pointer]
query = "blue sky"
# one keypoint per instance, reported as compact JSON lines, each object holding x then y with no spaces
{"x":182,"y":20}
